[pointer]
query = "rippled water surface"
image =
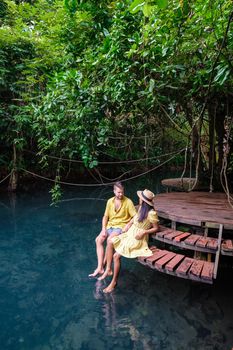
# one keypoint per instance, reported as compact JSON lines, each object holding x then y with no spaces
{"x":47,"y":302}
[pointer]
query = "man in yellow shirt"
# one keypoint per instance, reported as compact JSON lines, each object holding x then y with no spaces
{"x":119,"y":211}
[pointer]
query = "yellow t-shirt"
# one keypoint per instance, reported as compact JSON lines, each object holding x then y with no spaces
{"x":122,"y":216}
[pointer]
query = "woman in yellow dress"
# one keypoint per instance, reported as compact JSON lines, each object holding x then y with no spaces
{"x":134,"y":241}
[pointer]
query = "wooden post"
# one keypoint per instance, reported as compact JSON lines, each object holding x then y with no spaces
{"x":218,"y":250}
{"x":173,"y":226}
{"x":206,"y":230}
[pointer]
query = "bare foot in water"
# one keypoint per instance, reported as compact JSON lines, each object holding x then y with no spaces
{"x":105,"y":274}
{"x":96,"y":272}
{"x":110,"y":287}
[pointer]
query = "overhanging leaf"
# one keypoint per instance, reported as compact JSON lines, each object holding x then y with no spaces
{"x":162,"y":3}
{"x":152,"y":84}
{"x":136,"y":6}
{"x":147,"y":10}
{"x":222,"y":74}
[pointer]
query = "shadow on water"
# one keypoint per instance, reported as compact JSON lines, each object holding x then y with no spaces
{"x":47,"y":302}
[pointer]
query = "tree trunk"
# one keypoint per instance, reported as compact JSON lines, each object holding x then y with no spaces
{"x":14,"y":175}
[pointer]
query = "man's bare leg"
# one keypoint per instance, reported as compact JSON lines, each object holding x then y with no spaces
{"x":105,"y":259}
{"x":109,"y":256}
{"x":100,"y":255}
{"x":117,"y":266}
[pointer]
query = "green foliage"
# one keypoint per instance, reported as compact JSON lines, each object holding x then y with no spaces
{"x":93,"y":79}
{"x":56,"y":193}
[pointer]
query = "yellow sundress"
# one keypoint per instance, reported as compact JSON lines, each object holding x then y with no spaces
{"x":127,"y":245}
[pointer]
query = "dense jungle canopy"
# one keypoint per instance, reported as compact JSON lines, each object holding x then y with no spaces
{"x":107,"y":82}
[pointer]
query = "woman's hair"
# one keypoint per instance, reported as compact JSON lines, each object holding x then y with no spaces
{"x":143,"y":211}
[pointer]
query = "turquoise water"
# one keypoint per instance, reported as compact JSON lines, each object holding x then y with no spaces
{"x":47,"y":302}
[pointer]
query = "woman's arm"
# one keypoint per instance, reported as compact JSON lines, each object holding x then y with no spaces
{"x":153,"y":229}
{"x":127,"y":226}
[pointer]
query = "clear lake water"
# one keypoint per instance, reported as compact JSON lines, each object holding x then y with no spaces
{"x":47,"y":301}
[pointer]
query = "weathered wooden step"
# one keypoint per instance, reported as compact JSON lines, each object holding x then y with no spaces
{"x":160,"y":263}
{"x":156,"y":256}
{"x":179,"y":265}
{"x":182,"y":236}
{"x":227,"y":247}
{"x":182,"y":269}
{"x":212,"y":243}
{"x":192,"y":239}
{"x":174,"y":262}
{"x":202,"y":242}
{"x":196,"y":268}
{"x":187,"y":240}
{"x":208,"y":271}
{"x":164,"y":231}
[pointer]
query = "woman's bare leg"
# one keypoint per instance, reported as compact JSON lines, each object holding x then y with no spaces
{"x":109,"y":256}
{"x":117,"y":266}
{"x":113,"y":234}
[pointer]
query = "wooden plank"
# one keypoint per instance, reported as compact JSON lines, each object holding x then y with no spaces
{"x":191,"y":240}
{"x":153,"y":248}
{"x":227,"y":245}
{"x":196,"y":268}
{"x":164,"y":232}
{"x":212,"y":243}
{"x":172,"y":234}
{"x":183,"y":268}
{"x":183,"y":245}
{"x":201,"y":242}
{"x":182,"y":236}
{"x":159,"y":264}
{"x":157,"y":255}
{"x":142,"y":259}
{"x":207,"y":271}
{"x":183,"y":272}
{"x":172,"y":264}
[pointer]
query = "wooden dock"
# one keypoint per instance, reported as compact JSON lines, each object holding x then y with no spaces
{"x":195,"y":208}
{"x":205,"y":211}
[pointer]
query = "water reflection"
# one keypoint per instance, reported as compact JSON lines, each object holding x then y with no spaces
{"x":116,"y":325}
{"x":47,"y":302}
{"x":149,"y":310}
{"x":108,"y":306}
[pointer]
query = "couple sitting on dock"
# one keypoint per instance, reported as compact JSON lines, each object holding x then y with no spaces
{"x":126,"y":232}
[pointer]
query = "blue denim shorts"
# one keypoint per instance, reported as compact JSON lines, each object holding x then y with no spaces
{"x":110,"y":230}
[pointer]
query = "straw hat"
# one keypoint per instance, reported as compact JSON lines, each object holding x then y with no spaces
{"x":147,"y":196}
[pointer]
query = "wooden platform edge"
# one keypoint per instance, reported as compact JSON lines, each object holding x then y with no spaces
{"x":226,"y":247}
{"x":187,"y":268}
{"x":183,"y":245}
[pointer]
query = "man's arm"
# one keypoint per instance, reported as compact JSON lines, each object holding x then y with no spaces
{"x":104,"y":225}
{"x":105,"y":220}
